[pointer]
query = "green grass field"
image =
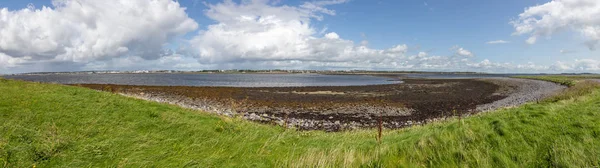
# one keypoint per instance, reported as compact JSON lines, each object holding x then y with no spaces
{"x":48,"y":125}
{"x":567,"y":80}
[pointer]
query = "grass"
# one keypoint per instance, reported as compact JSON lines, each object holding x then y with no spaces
{"x":48,"y":125}
{"x":579,"y":85}
{"x":567,"y":80}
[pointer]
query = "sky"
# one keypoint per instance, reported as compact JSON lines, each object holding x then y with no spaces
{"x":497,"y":36}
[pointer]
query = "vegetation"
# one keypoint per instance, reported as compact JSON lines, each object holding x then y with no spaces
{"x":575,"y":91}
{"x":579,"y":85}
{"x":567,"y":80}
{"x":48,"y":125}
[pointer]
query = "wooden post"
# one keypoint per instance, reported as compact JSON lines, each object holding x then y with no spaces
{"x":380,"y":128}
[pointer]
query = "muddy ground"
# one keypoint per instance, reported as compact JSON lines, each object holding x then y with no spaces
{"x":328,"y":108}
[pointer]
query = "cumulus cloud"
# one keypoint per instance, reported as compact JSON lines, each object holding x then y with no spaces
{"x":264,"y":34}
{"x":497,"y":42}
{"x":259,"y":35}
{"x":497,"y":67}
{"x":558,"y":15}
{"x":168,"y":62}
{"x":332,"y":35}
{"x":579,"y":65}
{"x":10,"y":62}
{"x":252,"y":34}
{"x":462,"y":52}
{"x":83,"y":31}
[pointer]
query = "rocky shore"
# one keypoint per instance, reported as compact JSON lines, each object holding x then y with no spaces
{"x":414,"y":102}
{"x":519,"y":91}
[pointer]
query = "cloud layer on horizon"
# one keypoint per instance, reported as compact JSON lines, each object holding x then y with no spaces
{"x":257,"y":34}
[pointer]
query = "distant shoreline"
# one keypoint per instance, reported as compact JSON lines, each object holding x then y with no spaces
{"x":325,"y":72}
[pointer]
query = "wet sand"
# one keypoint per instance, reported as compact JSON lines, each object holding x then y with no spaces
{"x":334,"y":108}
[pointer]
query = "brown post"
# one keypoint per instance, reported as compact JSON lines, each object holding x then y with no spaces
{"x":285,"y":125}
{"x":380,"y":128}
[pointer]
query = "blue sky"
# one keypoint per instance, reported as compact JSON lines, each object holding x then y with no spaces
{"x":434,"y":27}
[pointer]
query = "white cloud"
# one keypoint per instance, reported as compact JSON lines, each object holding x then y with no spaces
{"x":332,"y":35}
{"x":364,"y":43}
{"x":496,"y":67}
{"x":83,"y":31}
{"x":586,"y":65}
{"x":10,"y":62}
{"x":319,"y":6}
{"x":462,"y":52}
{"x":497,"y":42}
{"x":399,"y":49}
{"x":252,"y":34}
{"x":579,"y":65}
{"x":168,"y":62}
{"x":323,"y":31}
{"x":558,"y":15}
{"x":531,"y":40}
{"x":560,"y":66}
{"x":487,"y":64}
{"x":258,"y":33}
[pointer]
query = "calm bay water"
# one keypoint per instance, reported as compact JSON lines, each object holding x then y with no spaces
{"x":234,"y":80}
{"x":456,"y":76}
{"x":462,"y":76}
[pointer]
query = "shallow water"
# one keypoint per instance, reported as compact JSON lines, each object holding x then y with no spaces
{"x":454,"y":76}
{"x":462,"y":76}
{"x":234,"y":80}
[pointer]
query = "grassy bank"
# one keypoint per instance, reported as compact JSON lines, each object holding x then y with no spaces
{"x":567,"y":80}
{"x":51,"y":125}
{"x":579,"y":85}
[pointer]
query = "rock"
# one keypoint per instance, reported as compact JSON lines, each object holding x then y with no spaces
{"x":253,"y":116}
{"x":524,"y":90}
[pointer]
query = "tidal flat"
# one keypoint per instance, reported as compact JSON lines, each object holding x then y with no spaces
{"x":337,"y":108}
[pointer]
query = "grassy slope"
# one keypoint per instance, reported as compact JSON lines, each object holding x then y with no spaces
{"x":567,"y":80}
{"x":62,"y":126}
